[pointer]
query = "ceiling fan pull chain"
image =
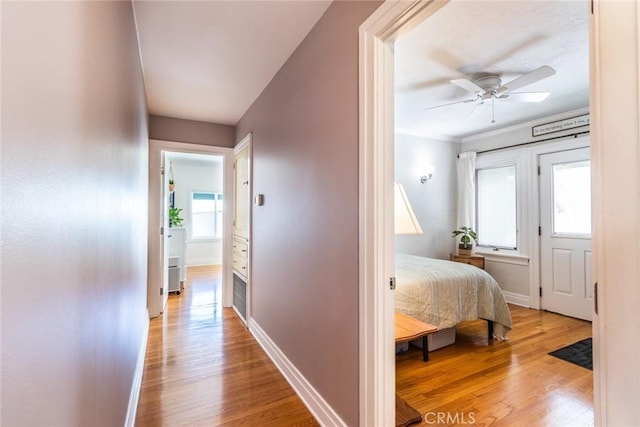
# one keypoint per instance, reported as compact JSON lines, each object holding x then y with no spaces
{"x":493,"y":110}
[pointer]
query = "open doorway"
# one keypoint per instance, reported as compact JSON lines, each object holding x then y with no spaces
{"x":200,"y":196}
{"x":496,"y":97}
{"x":377,"y":37}
{"x":196,"y":207}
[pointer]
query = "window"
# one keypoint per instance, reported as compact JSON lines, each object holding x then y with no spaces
{"x":206,"y":215}
{"x":496,"y":207}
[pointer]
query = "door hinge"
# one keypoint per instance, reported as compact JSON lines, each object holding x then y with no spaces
{"x":392,"y":283}
{"x":539,"y":231}
{"x":541,"y":291}
{"x":161,"y":291}
{"x":162,"y":170}
{"x":162,"y":231}
{"x":595,"y":298}
{"x":538,"y":170}
{"x":592,"y":7}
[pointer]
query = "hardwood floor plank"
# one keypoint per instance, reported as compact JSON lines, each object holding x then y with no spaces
{"x":509,"y":383}
{"x":204,"y":368}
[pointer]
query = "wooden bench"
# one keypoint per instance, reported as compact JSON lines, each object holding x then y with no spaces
{"x":409,"y":329}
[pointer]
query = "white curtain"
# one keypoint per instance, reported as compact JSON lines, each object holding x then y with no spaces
{"x":466,"y":190}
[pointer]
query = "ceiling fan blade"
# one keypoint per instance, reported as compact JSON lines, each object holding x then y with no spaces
{"x":451,"y":103}
{"x":529,"y":78}
{"x":477,"y":109}
{"x":468,"y":85}
{"x":526,"y":96}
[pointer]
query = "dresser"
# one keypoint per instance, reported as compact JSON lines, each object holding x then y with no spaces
{"x":477,"y":260}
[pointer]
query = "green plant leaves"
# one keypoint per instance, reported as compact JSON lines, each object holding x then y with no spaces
{"x":174,"y":216}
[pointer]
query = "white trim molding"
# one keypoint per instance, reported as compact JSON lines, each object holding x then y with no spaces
{"x":517,"y":299}
{"x":376,"y":168}
{"x":615,"y":166}
{"x":154,"y":281}
{"x":321,"y":410}
{"x":504,"y":258}
{"x":136,"y":385}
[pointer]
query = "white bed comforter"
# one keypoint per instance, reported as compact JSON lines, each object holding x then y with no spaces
{"x":444,"y":293}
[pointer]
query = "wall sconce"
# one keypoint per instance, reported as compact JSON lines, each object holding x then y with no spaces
{"x":427,"y":177}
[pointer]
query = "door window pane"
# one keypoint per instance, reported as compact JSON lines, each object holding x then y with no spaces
{"x":496,"y":194}
{"x":572,"y":198}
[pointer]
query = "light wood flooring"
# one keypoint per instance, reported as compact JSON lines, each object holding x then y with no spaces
{"x":203,"y":368}
{"x":508,"y":383}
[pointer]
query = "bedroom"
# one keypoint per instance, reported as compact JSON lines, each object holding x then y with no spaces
{"x":430,"y":134}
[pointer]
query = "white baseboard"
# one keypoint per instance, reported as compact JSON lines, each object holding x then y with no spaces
{"x":517,"y":299}
{"x":137,"y":377}
{"x":321,"y":410}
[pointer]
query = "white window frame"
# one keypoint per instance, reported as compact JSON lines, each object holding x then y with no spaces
{"x":511,"y":157}
{"x":192,"y":222}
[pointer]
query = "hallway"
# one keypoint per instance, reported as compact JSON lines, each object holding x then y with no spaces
{"x":204,"y":368}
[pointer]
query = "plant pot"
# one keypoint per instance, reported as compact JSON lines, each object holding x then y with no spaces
{"x":468,"y":251}
{"x":172,"y":187}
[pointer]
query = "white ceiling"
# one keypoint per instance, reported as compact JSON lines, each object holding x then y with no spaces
{"x":506,"y":37}
{"x":209,"y":60}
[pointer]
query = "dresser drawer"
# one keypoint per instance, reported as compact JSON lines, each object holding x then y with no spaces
{"x":240,"y":266}
{"x":476,"y":260}
{"x":240,"y":249}
{"x":240,"y":259}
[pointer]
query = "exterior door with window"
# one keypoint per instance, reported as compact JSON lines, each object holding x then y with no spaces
{"x":565,"y":233}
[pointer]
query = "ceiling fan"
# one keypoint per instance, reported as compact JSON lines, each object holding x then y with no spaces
{"x":488,"y":87}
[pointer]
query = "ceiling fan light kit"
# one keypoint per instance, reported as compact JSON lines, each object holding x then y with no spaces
{"x":489,"y":87}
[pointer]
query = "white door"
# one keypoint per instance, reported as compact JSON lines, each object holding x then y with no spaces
{"x":565,"y":221}
{"x":165,"y":193}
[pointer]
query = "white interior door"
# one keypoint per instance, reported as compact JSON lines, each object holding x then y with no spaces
{"x":164,"y":291}
{"x":565,"y":221}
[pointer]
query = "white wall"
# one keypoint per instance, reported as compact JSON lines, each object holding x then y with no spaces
{"x":74,"y":213}
{"x":197,"y":175}
{"x":434,"y":202}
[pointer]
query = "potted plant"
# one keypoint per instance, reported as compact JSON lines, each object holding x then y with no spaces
{"x":175,"y":220}
{"x":466,"y":245}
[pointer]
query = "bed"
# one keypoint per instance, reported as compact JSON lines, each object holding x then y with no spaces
{"x":445,"y":293}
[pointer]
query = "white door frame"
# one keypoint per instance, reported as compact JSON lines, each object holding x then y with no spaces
{"x":246,"y":142}
{"x":376,"y":165}
{"x":154,"y":263}
{"x":614,"y":42}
